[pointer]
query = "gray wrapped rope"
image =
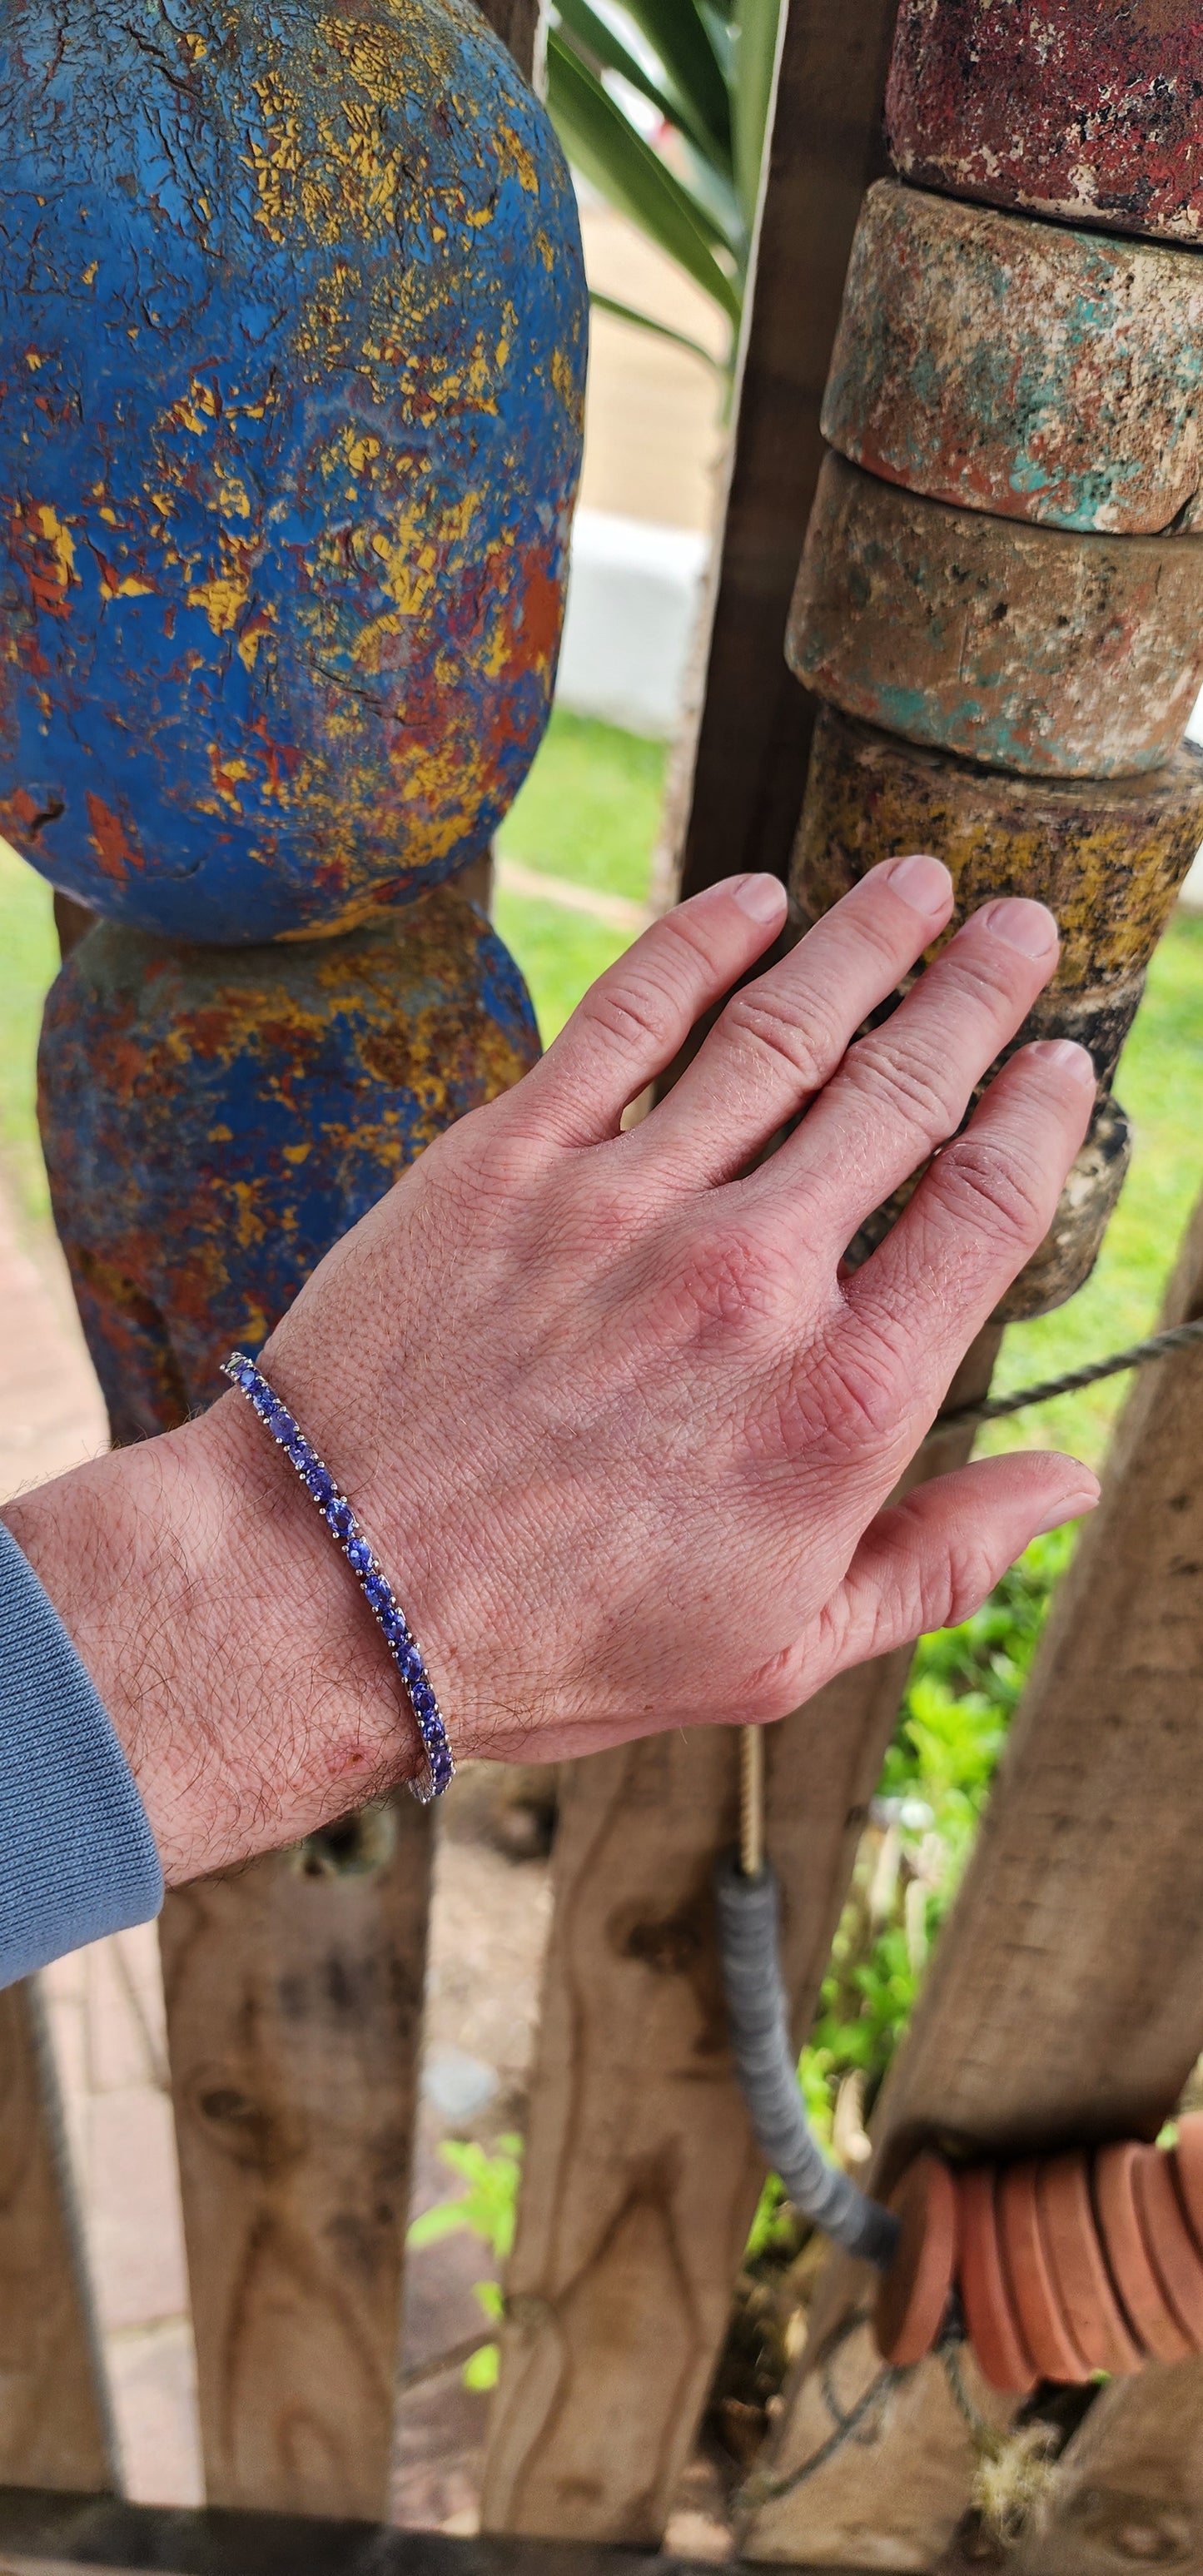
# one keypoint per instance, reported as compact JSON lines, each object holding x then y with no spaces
{"x":764,"y":2063}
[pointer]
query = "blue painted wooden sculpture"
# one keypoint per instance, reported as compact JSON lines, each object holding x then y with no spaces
{"x":292,"y":345}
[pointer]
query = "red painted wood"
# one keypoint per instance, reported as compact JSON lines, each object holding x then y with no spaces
{"x":914,"y":2293}
{"x":1094,"y":114}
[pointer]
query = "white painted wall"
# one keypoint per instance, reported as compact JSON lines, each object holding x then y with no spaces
{"x":633,"y":596}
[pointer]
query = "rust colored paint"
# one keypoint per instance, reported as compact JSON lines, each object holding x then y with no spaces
{"x":1026,"y":648}
{"x":1018,"y":367}
{"x":1063,"y":107}
{"x":213,"y":1119}
{"x":1107,"y":858}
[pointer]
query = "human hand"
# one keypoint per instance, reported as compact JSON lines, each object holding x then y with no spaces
{"x":619,"y":1429}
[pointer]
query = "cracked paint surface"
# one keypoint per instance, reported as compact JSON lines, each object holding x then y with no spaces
{"x":1091,"y":113}
{"x":1107,"y":857}
{"x":292,"y":348}
{"x":213,"y":1120}
{"x":1020,"y":367}
{"x":1032,"y":649}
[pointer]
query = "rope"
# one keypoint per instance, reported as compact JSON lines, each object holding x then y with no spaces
{"x":1178,"y":1337}
{"x":751,"y":1800}
{"x":763,"y":2489}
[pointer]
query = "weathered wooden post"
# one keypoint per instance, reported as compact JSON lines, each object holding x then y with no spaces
{"x":292,"y":343}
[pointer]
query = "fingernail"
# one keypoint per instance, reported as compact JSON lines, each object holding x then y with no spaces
{"x":763,"y":898}
{"x":1071,"y":1057}
{"x":1022,"y":924}
{"x":1072,"y":1508}
{"x":922,"y":882}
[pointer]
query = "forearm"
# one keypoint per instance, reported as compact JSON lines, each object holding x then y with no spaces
{"x":246,"y":1683}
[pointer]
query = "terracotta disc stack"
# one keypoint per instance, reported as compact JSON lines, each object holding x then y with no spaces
{"x":1066,"y":2265}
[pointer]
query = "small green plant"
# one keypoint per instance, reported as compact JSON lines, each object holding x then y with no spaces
{"x":964,"y":1687}
{"x":700,"y":72}
{"x":488,"y":2208}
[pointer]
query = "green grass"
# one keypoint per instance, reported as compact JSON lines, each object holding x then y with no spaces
{"x":589,"y":811}
{"x":28,"y":963}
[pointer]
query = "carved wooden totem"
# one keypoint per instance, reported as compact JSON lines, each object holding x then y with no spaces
{"x":292,"y":342}
{"x":292,"y":349}
{"x":1001,"y":597}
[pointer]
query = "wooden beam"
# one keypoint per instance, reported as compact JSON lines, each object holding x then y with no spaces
{"x":55,"y":2426}
{"x":294,"y":2006}
{"x":519,"y":23}
{"x":641,"y":2175}
{"x":753,"y":743}
{"x":1129,"y":2489}
{"x":1065,"y":1997}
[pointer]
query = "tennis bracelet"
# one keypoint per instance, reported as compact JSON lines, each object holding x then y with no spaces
{"x":439,"y":1767}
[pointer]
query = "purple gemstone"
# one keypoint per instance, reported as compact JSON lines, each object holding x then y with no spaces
{"x":423,"y":1699}
{"x":392,"y":1620}
{"x":375,"y":1592}
{"x":359,"y":1555}
{"x":409,"y":1665}
{"x":341,"y":1517}
{"x":320,"y":1483}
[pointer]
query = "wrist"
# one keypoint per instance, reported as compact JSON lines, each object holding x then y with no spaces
{"x":247,"y":1683}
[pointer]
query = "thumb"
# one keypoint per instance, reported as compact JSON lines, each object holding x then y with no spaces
{"x":933,"y":1559}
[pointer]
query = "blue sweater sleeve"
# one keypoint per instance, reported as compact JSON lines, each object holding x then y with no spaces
{"x":76,"y":1854}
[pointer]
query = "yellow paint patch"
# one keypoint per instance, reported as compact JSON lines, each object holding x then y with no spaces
{"x":222,"y":598}
{"x":60,"y":541}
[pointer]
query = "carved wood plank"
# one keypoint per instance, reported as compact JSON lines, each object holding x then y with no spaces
{"x":1065,"y":1997}
{"x":294,"y":2003}
{"x":753,"y":743}
{"x":641,"y":2175}
{"x":55,"y":2427}
{"x":1129,"y":2490}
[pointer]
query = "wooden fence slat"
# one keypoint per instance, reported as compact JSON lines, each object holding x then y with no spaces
{"x":1065,"y":1997}
{"x":294,"y":2008}
{"x":55,"y":2426}
{"x":641,"y":2175}
{"x":753,"y":742}
{"x":1129,"y":2490}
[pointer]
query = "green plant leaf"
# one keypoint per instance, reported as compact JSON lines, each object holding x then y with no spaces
{"x":756,"y":23}
{"x":481,"y":2371}
{"x":603,"y":143}
{"x":489,"y":2206}
{"x":648,"y":322}
{"x":677,"y":31}
{"x":595,"y":40}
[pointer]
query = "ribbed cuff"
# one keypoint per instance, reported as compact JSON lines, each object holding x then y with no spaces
{"x":76,"y":1854}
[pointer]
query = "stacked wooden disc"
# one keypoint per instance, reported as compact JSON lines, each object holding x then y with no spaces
{"x":1063,"y":2266}
{"x":1001,"y":598}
